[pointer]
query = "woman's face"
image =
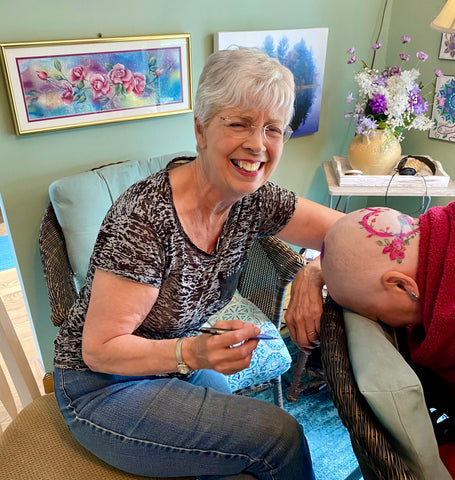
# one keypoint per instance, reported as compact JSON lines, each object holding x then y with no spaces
{"x":238,"y":159}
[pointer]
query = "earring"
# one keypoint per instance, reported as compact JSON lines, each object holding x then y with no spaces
{"x":414,"y":297}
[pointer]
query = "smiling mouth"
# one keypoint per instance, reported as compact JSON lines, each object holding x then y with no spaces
{"x":247,"y":165}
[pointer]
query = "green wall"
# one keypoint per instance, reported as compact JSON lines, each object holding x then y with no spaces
{"x":30,"y":163}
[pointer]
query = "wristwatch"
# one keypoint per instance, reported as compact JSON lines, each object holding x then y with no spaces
{"x":182,"y":367}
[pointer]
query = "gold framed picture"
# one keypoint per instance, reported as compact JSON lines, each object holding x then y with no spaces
{"x":56,"y":85}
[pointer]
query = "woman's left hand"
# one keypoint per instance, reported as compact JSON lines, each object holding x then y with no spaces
{"x":303,"y":314}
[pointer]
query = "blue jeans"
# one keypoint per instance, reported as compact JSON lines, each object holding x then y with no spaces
{"x":167,"y":427}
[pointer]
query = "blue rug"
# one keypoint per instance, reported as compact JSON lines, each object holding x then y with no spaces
{"x":6,"y":254}
{"x":328,"y":439}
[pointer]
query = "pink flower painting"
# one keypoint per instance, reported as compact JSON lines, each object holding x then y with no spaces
{"x":71,"y":85}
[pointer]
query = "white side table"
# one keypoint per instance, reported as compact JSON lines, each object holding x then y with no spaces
{"x":380,"y":191}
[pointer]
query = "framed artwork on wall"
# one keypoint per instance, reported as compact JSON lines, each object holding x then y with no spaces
{"x":443,"y":113}
{"x":303,"y":51}
{"x":65,"y":84}
{"x":447,"y":49}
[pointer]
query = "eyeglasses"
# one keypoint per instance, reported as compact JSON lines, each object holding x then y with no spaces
{"x":240,"y":127}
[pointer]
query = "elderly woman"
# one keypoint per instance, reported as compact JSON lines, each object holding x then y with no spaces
{"x":137,"y":383}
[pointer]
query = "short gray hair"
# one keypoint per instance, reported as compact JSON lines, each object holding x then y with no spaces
{"x":247,"y":78}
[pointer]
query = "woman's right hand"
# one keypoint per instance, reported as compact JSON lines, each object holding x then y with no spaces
{"x":227,"y":353}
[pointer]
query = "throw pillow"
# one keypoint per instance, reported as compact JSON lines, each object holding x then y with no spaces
{"x":270,"y":359}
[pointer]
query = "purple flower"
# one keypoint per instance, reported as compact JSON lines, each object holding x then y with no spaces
{"x":377,"y":46}
{"x":378,"y":103}
{"x":350,"y":97}
{"x":420,"y":106}
{"x":421,"y":56}
{"x":416,"y":102}
{"x":438,"y":72}
{"x":405,"y":39}
{"x":350,"y":51}
{"x":405,"y":57}
{"x":352,"y":59}
{"x":366,"y":126}
{"x":392,"y":72}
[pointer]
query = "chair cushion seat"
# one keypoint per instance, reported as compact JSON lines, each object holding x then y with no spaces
{"x":394,"y":393}
{"x":270,"y":359}
{"x":38,"y":445}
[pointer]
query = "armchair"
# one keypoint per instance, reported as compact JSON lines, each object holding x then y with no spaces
{"x":379,"y":399}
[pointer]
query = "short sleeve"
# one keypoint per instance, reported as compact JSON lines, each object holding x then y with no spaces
{"x":277,"y":206}
{"x":128,"y":246}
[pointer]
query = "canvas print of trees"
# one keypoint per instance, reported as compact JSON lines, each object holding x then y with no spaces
{"x":303,"y":51}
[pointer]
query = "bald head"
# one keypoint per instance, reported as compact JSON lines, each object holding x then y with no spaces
{"x":362,"y":249}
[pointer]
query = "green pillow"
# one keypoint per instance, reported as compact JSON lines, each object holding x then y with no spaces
{"x":81,"y":202}
{"x":394,"y":393}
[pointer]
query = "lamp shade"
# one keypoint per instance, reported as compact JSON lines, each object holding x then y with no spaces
{"x":445,"y":21}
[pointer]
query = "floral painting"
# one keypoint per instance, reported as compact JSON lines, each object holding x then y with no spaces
{"x":97,"y":83}
{"x":81,"y":84}
{"x":447,"y":50}
{"x":443,"y":114}
{"x":303,"y":51}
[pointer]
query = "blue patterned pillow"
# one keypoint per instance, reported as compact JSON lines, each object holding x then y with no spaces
{"x":271,"y":357}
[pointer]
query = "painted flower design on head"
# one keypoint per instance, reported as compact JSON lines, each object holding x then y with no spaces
{"x":393,"y":242}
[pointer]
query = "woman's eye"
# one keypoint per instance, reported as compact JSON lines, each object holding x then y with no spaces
{"x":239,"y":125}
{"x":274,"y":130}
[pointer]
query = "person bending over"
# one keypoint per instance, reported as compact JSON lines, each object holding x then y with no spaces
{"x":400,"y":270}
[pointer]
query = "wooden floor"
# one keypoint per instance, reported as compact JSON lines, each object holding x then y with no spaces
{"x":11,"y":294}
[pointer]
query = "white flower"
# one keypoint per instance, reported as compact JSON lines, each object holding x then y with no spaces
{"x":421,"y":122}
{"x":390,"y":100}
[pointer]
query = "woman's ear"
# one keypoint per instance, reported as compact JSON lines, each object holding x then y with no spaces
{"x":199,"y":133}
{"x":400,"y":283}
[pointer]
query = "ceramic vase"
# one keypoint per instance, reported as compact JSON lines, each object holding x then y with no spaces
{"x":375,"y":155}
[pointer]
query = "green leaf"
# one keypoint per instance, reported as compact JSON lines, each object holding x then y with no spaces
{"x":152,"y":61}
{"x":57,"y":64}
{"x":109,"y":66}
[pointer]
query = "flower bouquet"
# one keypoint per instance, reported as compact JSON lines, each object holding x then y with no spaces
{"x":390,"y":101}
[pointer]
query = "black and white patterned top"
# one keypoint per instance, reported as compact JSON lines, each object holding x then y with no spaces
{"x":141,"y":239}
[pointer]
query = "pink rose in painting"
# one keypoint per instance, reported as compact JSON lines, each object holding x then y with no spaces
{"x":120,"y":75}
{"x":159,"y":72}
{"x":41,"y":75}
{"x":67,"y":95}
{"x":139,"y":84}
{"x":78,"y":74}
{"x":99,"y":85}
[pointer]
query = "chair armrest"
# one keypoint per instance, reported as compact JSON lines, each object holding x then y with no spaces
{"x":377,"y":458}
{"x":56,"y":266}
{"x":270,"y":266}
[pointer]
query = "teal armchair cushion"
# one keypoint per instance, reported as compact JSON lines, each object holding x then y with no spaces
{"x":81,"y":201}
{"x":394,"y":393}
